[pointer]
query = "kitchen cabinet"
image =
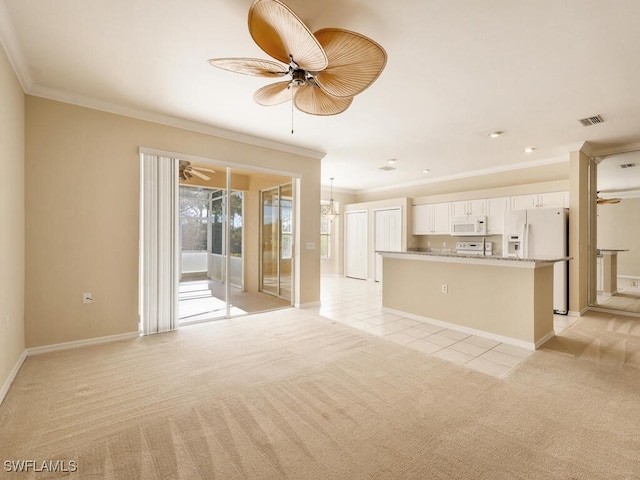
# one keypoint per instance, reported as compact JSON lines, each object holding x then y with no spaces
{"x":496,"y":208}
{"x":466,"y":208}
{"x":540,"y":200}
{"x":431,"y":219}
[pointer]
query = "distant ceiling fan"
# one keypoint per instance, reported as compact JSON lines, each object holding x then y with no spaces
{"x":606,"y":201}
{"x":187,"y":171}
{"x":327,"y":68}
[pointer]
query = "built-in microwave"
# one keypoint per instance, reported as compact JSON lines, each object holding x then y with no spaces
{"x":469,"y":226}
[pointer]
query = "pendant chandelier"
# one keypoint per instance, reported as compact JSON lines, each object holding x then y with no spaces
{"x":329,"y":211}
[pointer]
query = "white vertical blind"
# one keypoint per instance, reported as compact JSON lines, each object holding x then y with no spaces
{"x":159,"y":243}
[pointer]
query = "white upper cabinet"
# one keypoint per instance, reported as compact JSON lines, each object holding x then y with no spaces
{"x":466,"y":208}
{"x":554,"y":199}
{"x":431,"y":219}
{"x":540,"y":200}
{"x":496,"y":208}
{"x":441,"y":218}
{"x":422,"y":219}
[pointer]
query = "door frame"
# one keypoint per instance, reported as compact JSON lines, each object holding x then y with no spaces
{"x":293,"y":239}
{"x":151,"y":264}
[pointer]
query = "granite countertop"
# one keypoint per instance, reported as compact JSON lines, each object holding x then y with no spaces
{"x":610,"y":250}
{"x":453,"y":254}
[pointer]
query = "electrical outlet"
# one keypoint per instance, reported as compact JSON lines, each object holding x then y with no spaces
{"x":444,"y":244}
{"x":87,"y":298}
{"x":428,"y":244}
{"x":445,"y":288}
{"x":634,"y":283}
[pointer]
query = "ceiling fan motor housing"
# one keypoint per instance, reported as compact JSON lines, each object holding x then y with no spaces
{"x":298,"y":77}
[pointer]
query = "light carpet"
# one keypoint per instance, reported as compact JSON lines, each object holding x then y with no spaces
{"x":292,"y":395}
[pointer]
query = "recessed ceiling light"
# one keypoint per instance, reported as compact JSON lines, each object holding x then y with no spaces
{"x":529,"y":149}
{"x":495,"y":133}
{"x":426,"y":170}
{"x":391,"y":161}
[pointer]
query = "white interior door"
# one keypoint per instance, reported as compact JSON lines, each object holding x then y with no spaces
{"x":356,"y":245}
{"x":388,"y":235}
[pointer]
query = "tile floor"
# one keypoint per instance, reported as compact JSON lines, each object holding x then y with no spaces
{"x":358,"y":304}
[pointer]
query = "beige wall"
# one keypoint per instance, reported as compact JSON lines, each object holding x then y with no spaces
{"x":12,"y":219}
{"x":494,"y":182}
{"x":510,"y":301}
{"x":82,"y":202}
{"x":619,"y":228}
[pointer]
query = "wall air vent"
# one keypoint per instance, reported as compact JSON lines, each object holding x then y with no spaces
{"x":627,"y":165}
{"x":591,"y":121}
{"x":387,"y":168}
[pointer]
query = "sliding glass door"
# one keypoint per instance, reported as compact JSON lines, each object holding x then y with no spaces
{"x":208,"y":255}
{"x":277,"y":241}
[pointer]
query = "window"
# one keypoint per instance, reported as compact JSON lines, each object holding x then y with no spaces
{"x":286,"y":212}
{"x":194,"y":210}
{"x":198,"y":206}
{"x":217,"y":222}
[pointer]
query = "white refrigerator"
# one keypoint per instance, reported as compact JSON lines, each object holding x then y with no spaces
{"x":541,"y":233}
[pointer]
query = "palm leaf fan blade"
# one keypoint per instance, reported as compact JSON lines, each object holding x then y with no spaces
{"x":251,"y":66}
{"x":312,"y":100}
{"x":355,"y":62}
{"x":273,"y":94}
{"x":280,"y":33}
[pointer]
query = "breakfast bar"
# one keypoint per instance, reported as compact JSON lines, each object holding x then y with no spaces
{"x":502,"y":298}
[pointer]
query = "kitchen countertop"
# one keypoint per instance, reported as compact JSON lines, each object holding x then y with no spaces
{"x":487,"y":259}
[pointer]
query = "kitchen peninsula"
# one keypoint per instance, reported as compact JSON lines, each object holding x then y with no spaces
{"x":502,"y":298}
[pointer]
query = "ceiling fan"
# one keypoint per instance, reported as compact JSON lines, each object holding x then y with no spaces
{"x":327,"y":68}
{"x":606,"y":201}
{"x":187,"y":171}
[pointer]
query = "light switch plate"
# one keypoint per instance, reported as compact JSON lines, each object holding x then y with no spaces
{"x":311,"y":245}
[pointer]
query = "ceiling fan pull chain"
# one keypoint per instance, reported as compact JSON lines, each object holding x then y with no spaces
{"x":291,"y":109}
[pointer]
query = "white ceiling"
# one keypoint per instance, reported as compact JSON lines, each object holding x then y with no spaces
{"x":456,"y":70}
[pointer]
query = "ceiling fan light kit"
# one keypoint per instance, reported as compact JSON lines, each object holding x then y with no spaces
{"x":326,"y":68}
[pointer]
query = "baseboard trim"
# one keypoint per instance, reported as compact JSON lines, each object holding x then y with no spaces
{"x":573,"y":313}
{"x":472,"y":331}
{"x":308,"y":305}
{"x":80,"y":343}
{"x":614,"y":312}
{"x":12,"y":375}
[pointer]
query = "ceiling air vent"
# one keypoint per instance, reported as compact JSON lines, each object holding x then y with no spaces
{"x":591,"y":121}
{"x":627,"y":165}
{"x":387,"y":168}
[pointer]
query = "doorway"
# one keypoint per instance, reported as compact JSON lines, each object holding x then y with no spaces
{"x":388,"y":235}
{"x":356,"y":244}
{"x":277,"y":234}
{"x":208,"y":257}
{"x":200,"y":241}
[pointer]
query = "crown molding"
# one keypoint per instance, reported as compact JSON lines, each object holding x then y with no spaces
{"x":611,"y":150}
{"x":11,"y":45}
{"x":472,"y":173}
{"x":171,"y":121}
